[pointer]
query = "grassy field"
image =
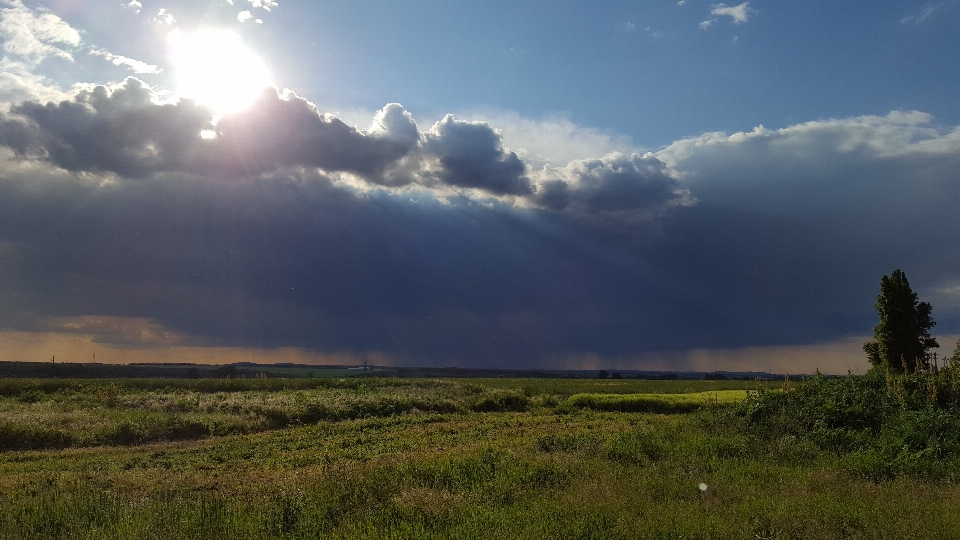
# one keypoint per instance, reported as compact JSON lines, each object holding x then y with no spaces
{"x":406,"y":458}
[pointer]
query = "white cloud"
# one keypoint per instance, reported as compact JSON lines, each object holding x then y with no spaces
{"x":898,"y":134}
{"x":740,"y":13}
{"x":135,"y":65}
{"x":925,"y":13}
{"x":707,"y":24}
{"x":553,"y":140}
{"x":35,"y":35}
{"x":244,"y":16}
{"x":265,"y":4}
{"x":18,"y":83}
{"x":165,"y":18}
{"x":135,"y":6}
{"x":681,"y":2}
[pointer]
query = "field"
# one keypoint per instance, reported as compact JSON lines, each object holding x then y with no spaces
{"x":434,"y":458}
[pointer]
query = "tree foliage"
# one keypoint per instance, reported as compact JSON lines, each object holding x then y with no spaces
{"x":902,"y":337}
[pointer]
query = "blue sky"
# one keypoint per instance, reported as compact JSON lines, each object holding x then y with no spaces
{"x":650,"y":185}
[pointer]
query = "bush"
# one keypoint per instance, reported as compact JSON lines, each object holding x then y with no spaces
{"x":885,"y":425}
{"x":499,"y":401}
{"x":653,"y":403}
{"x":20,"y":437}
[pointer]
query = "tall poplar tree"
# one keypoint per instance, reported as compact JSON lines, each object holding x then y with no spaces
{"x":902,"y":337}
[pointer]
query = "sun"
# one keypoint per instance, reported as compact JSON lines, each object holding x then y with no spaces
{"x":216,"y":69}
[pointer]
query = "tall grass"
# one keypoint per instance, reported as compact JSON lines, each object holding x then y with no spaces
{"x":655,"y":403}
{"x":84,"y":413}
{"x":501,"y":462}
{"x":534,"y":475}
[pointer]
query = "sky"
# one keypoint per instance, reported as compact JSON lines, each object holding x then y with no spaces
{"x":663,"y":185}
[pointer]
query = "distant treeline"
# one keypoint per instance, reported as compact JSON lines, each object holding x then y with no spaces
{"x":181,"y":370}
{"x":120,"y":371}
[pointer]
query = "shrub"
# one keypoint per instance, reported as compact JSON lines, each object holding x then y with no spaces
{"x":499,"y":401}
{"x":655,"y":403}
{"x":21,"y":437}
{"x":885,"y":425}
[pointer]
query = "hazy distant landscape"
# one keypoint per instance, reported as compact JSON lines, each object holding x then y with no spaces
{"x":253,"y":370}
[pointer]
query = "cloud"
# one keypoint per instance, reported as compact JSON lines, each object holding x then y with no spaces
{"x":32,"y":36}
{"x":612,"y":184}
{"x":811,"y":215}
{"x":286,"y":130}
{"x":925,"y":13}
{"x":134,"y":65}
{"x":471,"y":155}
{"x":245,"y":16}
{"x":125,"y":130}
{"x":552,"y":140}
{"x":165,"y":18}
{"x":707,"y":24}
{"x":19,"y":83}
{"x":739,"y":13}
{"x":293,"y":228}
{"x":265,"y":4}
{"x":898,"y":134}
{"x":135,"y":6}
{"x":121,"y":130}
{"x":124,"y":331}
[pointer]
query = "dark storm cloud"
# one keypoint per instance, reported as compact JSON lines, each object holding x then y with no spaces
{"x":125,"y":132}
{"x":616,"y":182}
{"x":553,"y":194}
{"x":472,"y":156}
{"x":794,"y":227}
{"x":613,"y":184}
{"x":121,"y":131}
{"x":280,"y":131}
{"x":292,"y":260}
{"x":252,"y":238}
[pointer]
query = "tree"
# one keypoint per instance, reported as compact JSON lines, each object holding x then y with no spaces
{"x":902,"y":337}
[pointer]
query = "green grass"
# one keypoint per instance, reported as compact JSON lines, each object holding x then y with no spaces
{"x":491,"y":459}
{"x":568,"y":387}
{"x":656,"y":403}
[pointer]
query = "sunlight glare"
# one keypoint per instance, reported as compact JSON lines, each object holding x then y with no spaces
{"x":216,"y":69}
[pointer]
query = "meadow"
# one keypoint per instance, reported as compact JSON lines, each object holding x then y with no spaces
{"x":472,"y":458}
